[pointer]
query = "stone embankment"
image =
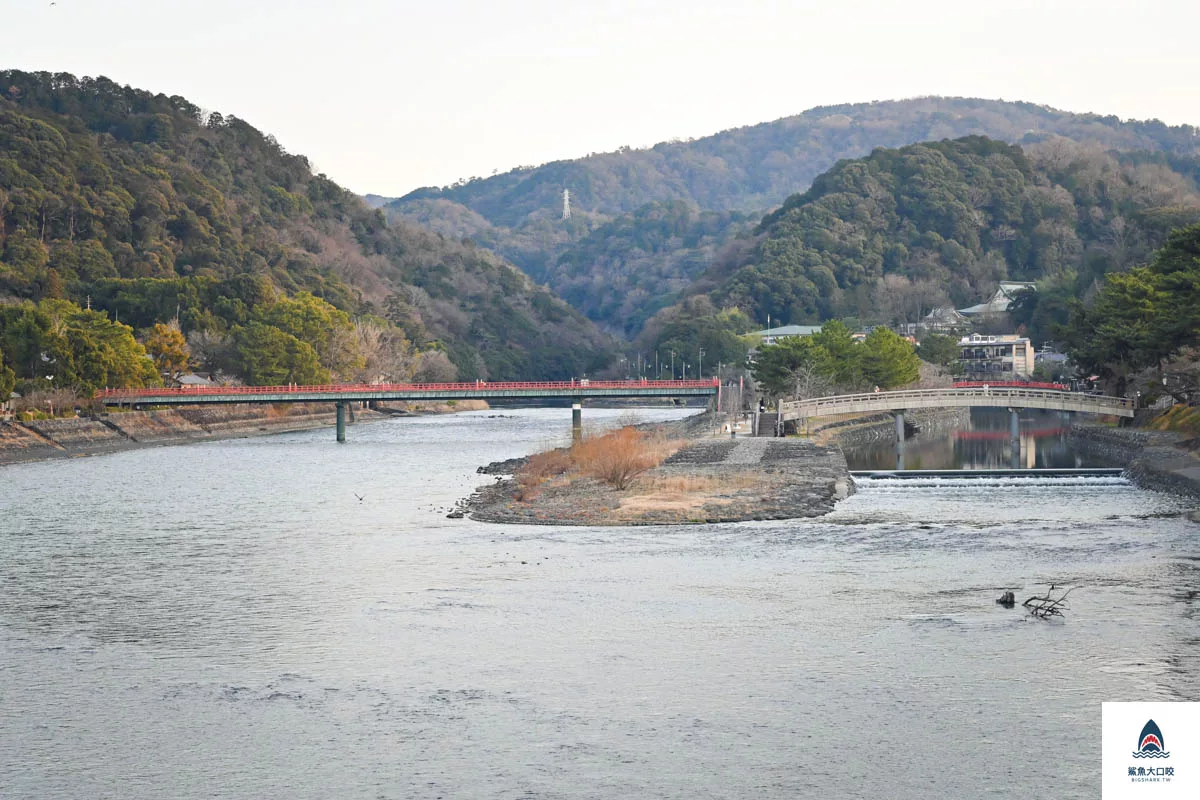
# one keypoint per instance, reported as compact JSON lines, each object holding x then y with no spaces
{"x":1157,"y":460}
{"x":708,"y":480}
{"x":110,"y":433}
{"x":859,"y":429}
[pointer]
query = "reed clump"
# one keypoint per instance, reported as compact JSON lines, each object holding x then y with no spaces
{"x":616,"y":458}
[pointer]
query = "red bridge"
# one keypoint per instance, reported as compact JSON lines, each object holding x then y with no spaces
{"x":344,"y":393}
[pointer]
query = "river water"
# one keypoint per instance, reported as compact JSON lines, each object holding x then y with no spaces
{"x":985,"y":442}
{"x":229,"y":620}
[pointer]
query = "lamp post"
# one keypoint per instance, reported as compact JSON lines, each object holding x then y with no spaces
{"x":700,"y":371}
{"x":672,"y":365}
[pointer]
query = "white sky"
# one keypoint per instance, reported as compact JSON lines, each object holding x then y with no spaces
{"x":386,"y":96}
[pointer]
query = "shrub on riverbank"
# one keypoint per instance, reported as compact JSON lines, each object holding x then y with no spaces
{"x":615,"y":457}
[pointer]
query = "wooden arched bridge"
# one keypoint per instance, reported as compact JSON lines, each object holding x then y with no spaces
{"x":342,"y":394}
{"x":977,"y":397}
{"x":1014,"y":398}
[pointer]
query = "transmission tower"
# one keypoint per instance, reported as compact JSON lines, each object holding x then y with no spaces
{"x":566,"y":203}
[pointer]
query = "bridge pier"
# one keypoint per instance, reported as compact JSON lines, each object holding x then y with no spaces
{"x":899,"y":424}
{"x":577,"y":420}
{"x":341,"y":422}
{"x":1014,"y":437}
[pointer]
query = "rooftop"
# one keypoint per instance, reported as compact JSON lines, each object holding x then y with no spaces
{"x":788,"y":330}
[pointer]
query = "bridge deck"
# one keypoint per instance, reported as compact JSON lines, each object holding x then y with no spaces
{"x":479,"y":390}
{"x":978,"y":397}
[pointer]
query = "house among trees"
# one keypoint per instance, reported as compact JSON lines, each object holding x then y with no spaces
{"x":943,"y":319}
{"x":1000,"y":301}
{"x":997,"y":358}
{"x":772,"y":335}
{"x":192,"y":379}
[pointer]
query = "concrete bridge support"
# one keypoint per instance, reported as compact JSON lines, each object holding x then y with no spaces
{"x":341,"y":422}
{"x":577,"y":420}
{"x":899,"y":425}
{"x":1014,"y":437}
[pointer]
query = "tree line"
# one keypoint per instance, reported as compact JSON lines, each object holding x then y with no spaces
{"x":152,"y":211}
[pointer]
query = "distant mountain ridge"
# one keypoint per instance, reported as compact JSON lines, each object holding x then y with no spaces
{"x":745,"y":170}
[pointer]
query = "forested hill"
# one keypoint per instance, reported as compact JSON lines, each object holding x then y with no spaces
{"x":758,"y":166}
{"x":746,"y":170}
{"x":150,"y":209}
{"x":886,"y":237}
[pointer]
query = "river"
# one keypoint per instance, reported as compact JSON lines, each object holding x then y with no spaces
{"x":229,"y":620}
{"x":984,"y":442}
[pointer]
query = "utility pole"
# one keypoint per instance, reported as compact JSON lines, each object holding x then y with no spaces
{"x":672,"y":365}
{"x":700,"y":372}
{"x":566,"y":204}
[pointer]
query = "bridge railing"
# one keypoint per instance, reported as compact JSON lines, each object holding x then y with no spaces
{"x":581,"y":386}
{"x":814,"y":406}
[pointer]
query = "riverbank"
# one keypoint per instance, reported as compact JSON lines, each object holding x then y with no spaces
{"x":76,"y":437}
{"x":1162,"y":461}
{"x":705,"y":480}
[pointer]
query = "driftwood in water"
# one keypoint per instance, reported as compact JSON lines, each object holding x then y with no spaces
{"x":1047,"y":606}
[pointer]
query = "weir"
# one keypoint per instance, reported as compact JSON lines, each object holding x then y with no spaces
{"x":1081,"y":472}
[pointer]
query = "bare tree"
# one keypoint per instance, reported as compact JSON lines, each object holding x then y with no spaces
{"x":387,"y":356}
{"x":434,"y":366}
{"x":807,"y":381}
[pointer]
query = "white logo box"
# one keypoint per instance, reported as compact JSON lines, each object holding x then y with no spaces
{"x":1165,"y":778}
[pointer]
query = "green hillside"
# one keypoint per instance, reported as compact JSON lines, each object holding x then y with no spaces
{"x":887,"y":237}
{"x":746,"y":170}
{"x":151,"y":209}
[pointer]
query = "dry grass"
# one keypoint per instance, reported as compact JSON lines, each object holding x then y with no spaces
{"x":697,"y":484}
{"x":1185,"y":419}
{"x":616,"y":458}
{"x":619,"y":456}
{"x":540,"y":468}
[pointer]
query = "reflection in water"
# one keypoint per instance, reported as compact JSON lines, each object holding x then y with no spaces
{"x":987,"y":443}
{"x":228,"y":620}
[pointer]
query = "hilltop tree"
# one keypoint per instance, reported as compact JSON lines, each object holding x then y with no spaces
{"x":935,"y":348}
{"x":1144,"y":317}
{"x":268,"y":356}
{"x":169,"y":349}
{"x":831,"y":360}
{"x":795,"y":366}
{"x":889,"y":360}
{"x":56,"y":343}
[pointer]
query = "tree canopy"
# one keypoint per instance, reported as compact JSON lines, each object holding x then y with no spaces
{"x":151,"y":209}
{"x":833,"y":360}
{"x":1144,"y":317}
{"x":57,"y":344}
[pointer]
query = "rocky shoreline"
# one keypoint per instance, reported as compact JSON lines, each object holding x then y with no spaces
{"x":708,"y":480}
{"x":1160,"y":461}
